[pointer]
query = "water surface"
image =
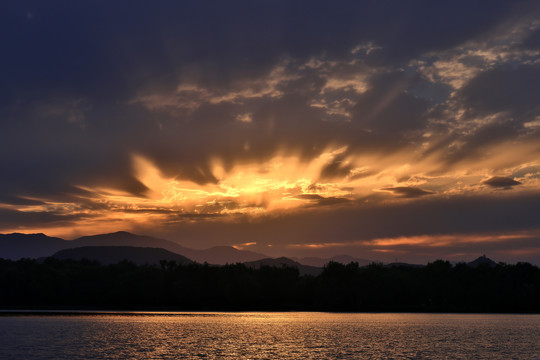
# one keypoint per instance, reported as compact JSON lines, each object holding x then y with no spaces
{"x":292,"y":335}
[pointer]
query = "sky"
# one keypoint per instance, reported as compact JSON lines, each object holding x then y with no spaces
{"x":386,"y":130}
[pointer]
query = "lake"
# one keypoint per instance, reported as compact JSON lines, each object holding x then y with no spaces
{"x":250,"y":335}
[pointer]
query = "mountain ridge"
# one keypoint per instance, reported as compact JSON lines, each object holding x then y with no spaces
{"x":16,"y":246}
{"x":284,"y":261}
{"x":107,"y":255}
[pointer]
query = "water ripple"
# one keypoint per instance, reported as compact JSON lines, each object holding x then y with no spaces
{"x":268,"y":336}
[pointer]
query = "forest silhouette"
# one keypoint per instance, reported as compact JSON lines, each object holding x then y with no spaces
{"x":437,"y":287}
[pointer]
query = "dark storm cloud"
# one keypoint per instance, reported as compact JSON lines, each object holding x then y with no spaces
{"x":15,"y":200}
{"x":309,"y":197}
{"x":509,"y":89}
{"x":39,"y":218}
{"x":319,"y":200}
{"x":407,"y":191}
{"x":501,"y":182}
{"x":336,"y":169}
{"x":532,"y":41}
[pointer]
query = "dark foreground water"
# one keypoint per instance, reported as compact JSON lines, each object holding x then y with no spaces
{"x":268,"y":336}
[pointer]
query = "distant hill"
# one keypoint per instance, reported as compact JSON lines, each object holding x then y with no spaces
{"x":218,"y":255}
{"x":482,"y":260}
{"x":221,"y":255}
{"x":342,"y":259}
{"x":283,"y":261}
{"x":114,"y":254}
{"x":124,"y":238}
{"x":16,"y":246}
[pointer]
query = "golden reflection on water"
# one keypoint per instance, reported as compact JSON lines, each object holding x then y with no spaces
{"x":250,"y":335}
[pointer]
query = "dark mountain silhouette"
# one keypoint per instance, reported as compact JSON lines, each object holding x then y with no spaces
{"x":342,"y":259}
{"x":16,"y":246}
{"x":222,"y":255}
{"x":482,"y":260}
{"x":283,"y":261}
{"x":124,"y":238}
{"x":218,"y":255}
{"x":107,"y":255}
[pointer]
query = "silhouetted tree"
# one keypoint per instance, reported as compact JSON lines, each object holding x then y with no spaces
{"x":439,"y":286}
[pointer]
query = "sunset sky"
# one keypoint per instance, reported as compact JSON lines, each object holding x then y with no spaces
{"x":385,"y":130}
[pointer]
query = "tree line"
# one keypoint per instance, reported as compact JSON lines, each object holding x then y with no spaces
{"x":437,"y":287}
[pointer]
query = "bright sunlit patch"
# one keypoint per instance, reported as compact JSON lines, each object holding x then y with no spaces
{"x":320,"y":245}
{"x":244,"y":245}
{"x":245,"y":118}
{"x":441,"y":240}
{"x":451,"y":239}
{"x":279,"y":183}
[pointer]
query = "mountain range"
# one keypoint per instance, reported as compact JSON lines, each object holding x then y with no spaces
{"x":141,"y":249}
{"x":15,"y":246}
{"x":108,"y":255}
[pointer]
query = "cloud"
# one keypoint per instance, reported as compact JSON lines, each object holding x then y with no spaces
{"x":532,"y":41}
{"x":309,"y":197}
{"x":324,"y":201}
{"x":387,"y":107}
{"x":40,"y":219}
{"x":407,"y":192}
{"x":517,"y":96}
{"x":15,"y":200}
{"x":501,"y":182}
{"x":338,"y":168}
